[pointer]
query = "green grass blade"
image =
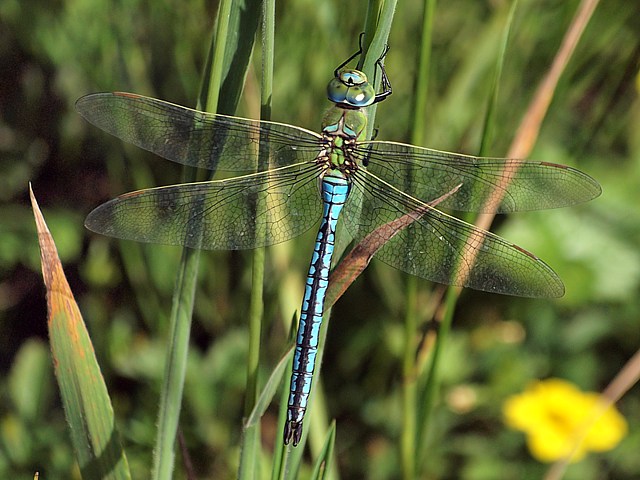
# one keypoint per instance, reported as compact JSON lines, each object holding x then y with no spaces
{"x":242,"y":27}
{"x":269,"y":390}
{"x":282,"y":458}
{"x":175,"y":366}
{"x":419,"y":105}
{"x":219,"y":47}
{"x":428,"y":391}
{"x":87,"y":406}
{"x":323,"y":463}
{"x":376,"y":36}
{"x":489,"y":118}
{"x":408,"y":440}
{"x":229,"y":60}
{"x":250,"y":448}
{"x":409,"y":398}
{"x":251,"y":451}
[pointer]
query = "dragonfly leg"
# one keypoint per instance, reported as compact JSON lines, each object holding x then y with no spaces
{"x":386,"y":83}
{"x":337,"y":70}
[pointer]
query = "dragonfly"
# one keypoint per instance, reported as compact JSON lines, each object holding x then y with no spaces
{"x":291,"y":178}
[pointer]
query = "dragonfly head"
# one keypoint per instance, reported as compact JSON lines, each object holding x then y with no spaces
{"x":351,"y":88}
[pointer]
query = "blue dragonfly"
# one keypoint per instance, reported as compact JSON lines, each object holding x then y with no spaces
{"x":292,"y":178}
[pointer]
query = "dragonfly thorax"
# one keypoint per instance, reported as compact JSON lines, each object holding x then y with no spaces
{"x":351,"y":88}
{"x":344,"y":122}
{"x":341,"y":130}
{"x":338,"y":155}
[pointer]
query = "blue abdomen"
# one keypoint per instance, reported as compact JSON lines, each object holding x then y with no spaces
{"x":335,"y":190}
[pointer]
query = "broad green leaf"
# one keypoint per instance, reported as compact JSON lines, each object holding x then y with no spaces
{"x":87,"y":406}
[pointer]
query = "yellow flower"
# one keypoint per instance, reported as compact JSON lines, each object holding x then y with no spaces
{"x":557,"y":418}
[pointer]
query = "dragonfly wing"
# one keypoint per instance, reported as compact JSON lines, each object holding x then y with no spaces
{"x":443,"y":249}
{"x":239,"y":213}
{"x":198,"y":139}
{"x":487,"y":184}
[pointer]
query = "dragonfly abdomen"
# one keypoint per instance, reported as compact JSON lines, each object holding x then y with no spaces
{"x":335,"y":189}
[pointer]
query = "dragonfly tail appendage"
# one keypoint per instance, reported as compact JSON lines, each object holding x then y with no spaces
{"x":292,"y":431}
{"x":335,"y":189}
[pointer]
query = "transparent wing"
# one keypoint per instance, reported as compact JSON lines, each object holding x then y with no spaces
{"x":426,"y":174}
{"x":439,"y":247}
{"x":194,"y":138}
{"x":238,"y":213}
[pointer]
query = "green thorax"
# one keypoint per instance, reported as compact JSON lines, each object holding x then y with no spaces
{"x":344,"y":122}
{"x":342,"y":127}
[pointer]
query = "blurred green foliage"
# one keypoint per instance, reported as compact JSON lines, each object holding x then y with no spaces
{"x":53,"y":52}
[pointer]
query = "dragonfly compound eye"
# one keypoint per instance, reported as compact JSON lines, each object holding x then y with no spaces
{"x":337,"y":91}
{"x":351,"y":87}
{"x":361,"y":96}
{"x":353,"y":77}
